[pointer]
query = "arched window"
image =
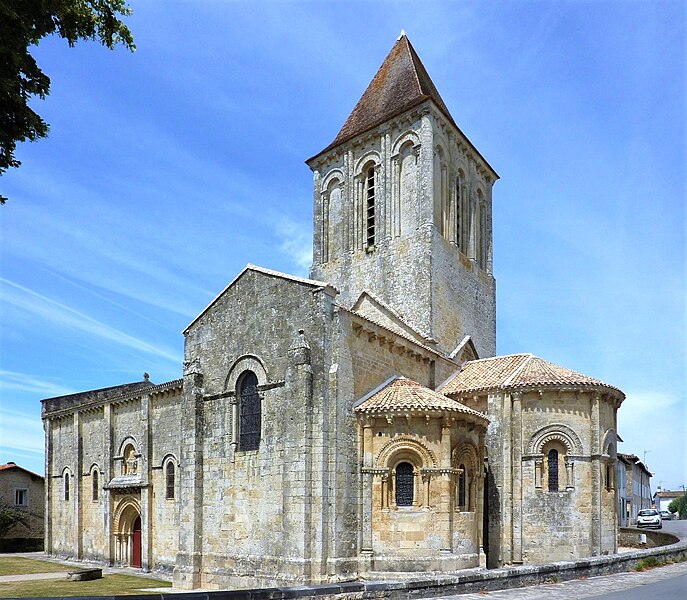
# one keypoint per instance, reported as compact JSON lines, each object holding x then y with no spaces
{"x":169,"y":480}
{"x":94,"y":483}
{"x":370,"y":190}
{"x":552,"y":458}
{"x":332,"y":224}
{"x":405,"y":484}
{"x":66,"y":486}
{"x":461,"y":487}
{"x":405,"y":207}
{"x":249,"y":412}
{"x":481,"y":239}
{"x":459,"y":210}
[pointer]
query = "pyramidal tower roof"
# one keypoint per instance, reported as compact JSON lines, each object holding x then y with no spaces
{"x":401,"y":83}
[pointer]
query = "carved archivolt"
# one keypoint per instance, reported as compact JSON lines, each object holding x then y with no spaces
{"x":408,"y":136}
{"x":247,"y":362}
{"x":371,"y":156}
{"x":465,"y":454}
{"x":129,"y":440}
{"x":555,"y":432}
{"x":333,"y":175}
{"x":126,"y":512}
{"x":403,"y":447}
{"x":608,"y":443}
{"x":170,"y":457}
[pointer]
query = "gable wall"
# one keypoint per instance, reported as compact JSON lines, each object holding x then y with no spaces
{"x":270,"y":490}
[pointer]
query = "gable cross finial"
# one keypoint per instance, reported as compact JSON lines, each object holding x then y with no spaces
{"x":403,"y":34}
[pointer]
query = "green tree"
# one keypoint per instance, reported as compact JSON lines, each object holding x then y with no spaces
{"x":24,"y":23}
{"x":679,"y":505}
{"x":10,"y":516}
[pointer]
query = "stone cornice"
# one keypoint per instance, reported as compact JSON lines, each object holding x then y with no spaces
{"x":161,"y":389}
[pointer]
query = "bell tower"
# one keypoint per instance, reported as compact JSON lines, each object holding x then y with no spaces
{"x":402,"y":209}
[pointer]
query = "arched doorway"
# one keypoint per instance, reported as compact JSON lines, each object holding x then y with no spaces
{"x":127,"y":533}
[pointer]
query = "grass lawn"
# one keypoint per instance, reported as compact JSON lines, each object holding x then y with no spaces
{"x":109,"y":585}
{"x":16,"y":565}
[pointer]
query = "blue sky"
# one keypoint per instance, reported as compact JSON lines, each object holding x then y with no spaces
{"x":167,"y":170}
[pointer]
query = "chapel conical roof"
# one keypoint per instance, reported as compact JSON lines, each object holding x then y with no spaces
{"x":401,"y":83}
{"x":403,"y":395}
{"x":517,"y":372}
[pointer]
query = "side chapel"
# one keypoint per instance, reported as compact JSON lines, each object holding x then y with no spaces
{"x":357,"y":421}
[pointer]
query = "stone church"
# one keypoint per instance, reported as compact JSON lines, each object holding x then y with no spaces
{"x":357,"y":422}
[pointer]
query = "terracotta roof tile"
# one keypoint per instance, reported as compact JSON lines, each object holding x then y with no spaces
{"x":513,"y":372}
{"x":402,"y":394}
{"x":484,"y":373}
{"x":12,"y":465}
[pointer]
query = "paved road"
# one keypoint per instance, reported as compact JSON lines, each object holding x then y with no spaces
{"x":670,"y":582}
{"x":679,"y":528}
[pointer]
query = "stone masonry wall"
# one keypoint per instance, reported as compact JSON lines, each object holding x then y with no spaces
{"x":95,"y":541}
{"x":166,"y":445}
{"x":271,"y":491}
{"x":64,"y":460}
{"x":442,"y":296}
{"x":434,"y":533}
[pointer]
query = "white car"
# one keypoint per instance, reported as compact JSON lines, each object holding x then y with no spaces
{"x":649,"y":517}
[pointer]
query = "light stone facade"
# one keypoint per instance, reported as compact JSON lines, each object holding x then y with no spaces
{"x":329,"y":428}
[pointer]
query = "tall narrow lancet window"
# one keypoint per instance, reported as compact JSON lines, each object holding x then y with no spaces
{"x":370,"y":206}
{"x":481,"y":240}
{"x":250,"y":411}
{"x":461,"y":487}
{"x":333,"y":222}
{"x":483,"y":232}
{"x":405,"y":484}
{"x":459,"y":210}
{"x":553,"y":469}
{"x":66,"y":486}
{"x":169,"y":481}
{"x":94,"y":482}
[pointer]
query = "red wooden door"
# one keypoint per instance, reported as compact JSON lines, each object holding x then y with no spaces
{"x":136,"y":550}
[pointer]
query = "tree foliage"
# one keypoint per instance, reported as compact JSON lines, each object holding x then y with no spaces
{"x":679,"y":505}
{"x":23,"y":24}
{"x":10,"y":516}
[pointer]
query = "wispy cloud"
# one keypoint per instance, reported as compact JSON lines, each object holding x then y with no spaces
{"x":98,"y":248}
{"x":295,"y":242}
{"x":68,"y":318}
{"x":11,"y":381}
{"x":20,"y":431}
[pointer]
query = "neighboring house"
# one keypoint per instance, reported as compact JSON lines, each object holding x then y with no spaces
{"x":624,"y":490}
{"x":25,"y":491}
{"x":357,"y":421}
{"x":636,"y":493}
{"x":662,"y":498}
